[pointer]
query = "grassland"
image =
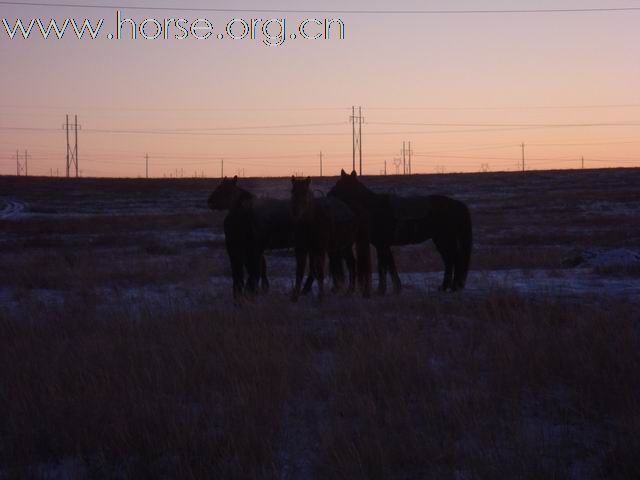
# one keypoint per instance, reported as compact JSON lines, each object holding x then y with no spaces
{"x":122,"y":355}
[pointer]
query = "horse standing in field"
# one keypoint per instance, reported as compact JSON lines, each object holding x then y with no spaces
{"x":386,"y":220}
{"x":253,"y":226}
{"x":323,"y":226}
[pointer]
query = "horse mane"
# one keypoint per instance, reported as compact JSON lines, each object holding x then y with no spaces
{"x":244,"y":198}
{"x":368,"y":195}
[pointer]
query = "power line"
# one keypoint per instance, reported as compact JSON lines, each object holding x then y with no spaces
{"x":337,"y":12}
{"x":266,"y":127}
{"x":476,"y":129}
{"x":303,"y":109}
{"x":167,"y":109}
{"x":512,"y":107}
{"x":509,"y":125}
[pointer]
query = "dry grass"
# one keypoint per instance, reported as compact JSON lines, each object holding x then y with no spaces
{"x":71,"y":269}
{"x":177,"y":383}
{"x":174,"y":394}
{"x":500,"y":386}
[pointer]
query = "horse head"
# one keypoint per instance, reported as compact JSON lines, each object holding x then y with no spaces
{"x":349,"y":189}
{"x":226,"y":194}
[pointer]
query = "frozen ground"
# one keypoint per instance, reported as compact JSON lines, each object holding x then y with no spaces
{"x":521,"y":366}
{"x":567,"y":234}
{"x":11,"y":209}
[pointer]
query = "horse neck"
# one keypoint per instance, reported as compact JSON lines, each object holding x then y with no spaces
{"x":367,"y":198}
{"x":240,"y":196}
{"x":310,"y":206}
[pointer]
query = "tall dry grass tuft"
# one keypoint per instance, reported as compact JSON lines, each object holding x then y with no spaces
{"x":502,"y":386}
{"x":174,"y":393}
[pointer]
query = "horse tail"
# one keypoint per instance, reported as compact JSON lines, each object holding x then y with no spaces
{"x":465,"y":245}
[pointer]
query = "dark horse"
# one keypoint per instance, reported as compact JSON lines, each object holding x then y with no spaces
{"x":323,"y":226}
{"x":253,"y":226}
{"x":385,"y":220}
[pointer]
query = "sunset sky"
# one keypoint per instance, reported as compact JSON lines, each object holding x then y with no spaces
{"x":500,"y":79}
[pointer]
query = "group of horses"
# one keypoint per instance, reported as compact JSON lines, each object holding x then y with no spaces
{"x":350,"y":215}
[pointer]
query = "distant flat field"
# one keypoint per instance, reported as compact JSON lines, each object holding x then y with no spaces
{"x":530,"y":231}
{"x":123,"y":355}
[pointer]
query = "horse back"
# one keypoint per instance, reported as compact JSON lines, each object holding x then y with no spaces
{"x":265,"y":223}
{"x":416,"y":219}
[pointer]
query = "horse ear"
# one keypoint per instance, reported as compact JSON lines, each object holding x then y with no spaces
{"x":354,"y":174}
{"x":235,"y":180}
{"x":343,"y":173}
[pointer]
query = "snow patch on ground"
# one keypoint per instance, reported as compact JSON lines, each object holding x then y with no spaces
{"x":619,"y":257}
{"x":576,"y":284}
{"x":12,"y":209}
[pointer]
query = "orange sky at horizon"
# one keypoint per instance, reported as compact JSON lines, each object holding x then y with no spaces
{"x":465,"y":90}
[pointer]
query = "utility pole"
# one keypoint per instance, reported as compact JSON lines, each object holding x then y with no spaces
{"x":353,"y":123}
{"x":582,"y":163}
{"x":17,"y":163}
{"x":360,"y":136}
{"x":222,"y":168}
{"x":357,"y":136}
{"x":26,"y":163}
{"x":320,"y":164}
{"x":404,"y":158}
{"x":410,"y":152}
{"x":385,"y":168}
{"x":146,"y":158}
{"x":523,"y":164}
{"x":76,"y":135}
{"x":72,"y":153}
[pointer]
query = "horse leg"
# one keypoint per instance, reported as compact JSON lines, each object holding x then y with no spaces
{"x":444,"y":248}
{"x":253,"y":271}
{"x":461,"y":267}
{"x":395,"y":278}
{"x":237,"y":273}
{"x":336,"y":271}
{"x":382,"y":270}
{"x":308,"y":285}
{"x":350,"y":259}
{"x":319,"y":261}
{"x":263,"y":275}
{"x":363,"y":250}
{"x":457,"y":283}
{"x":301,"y":261}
